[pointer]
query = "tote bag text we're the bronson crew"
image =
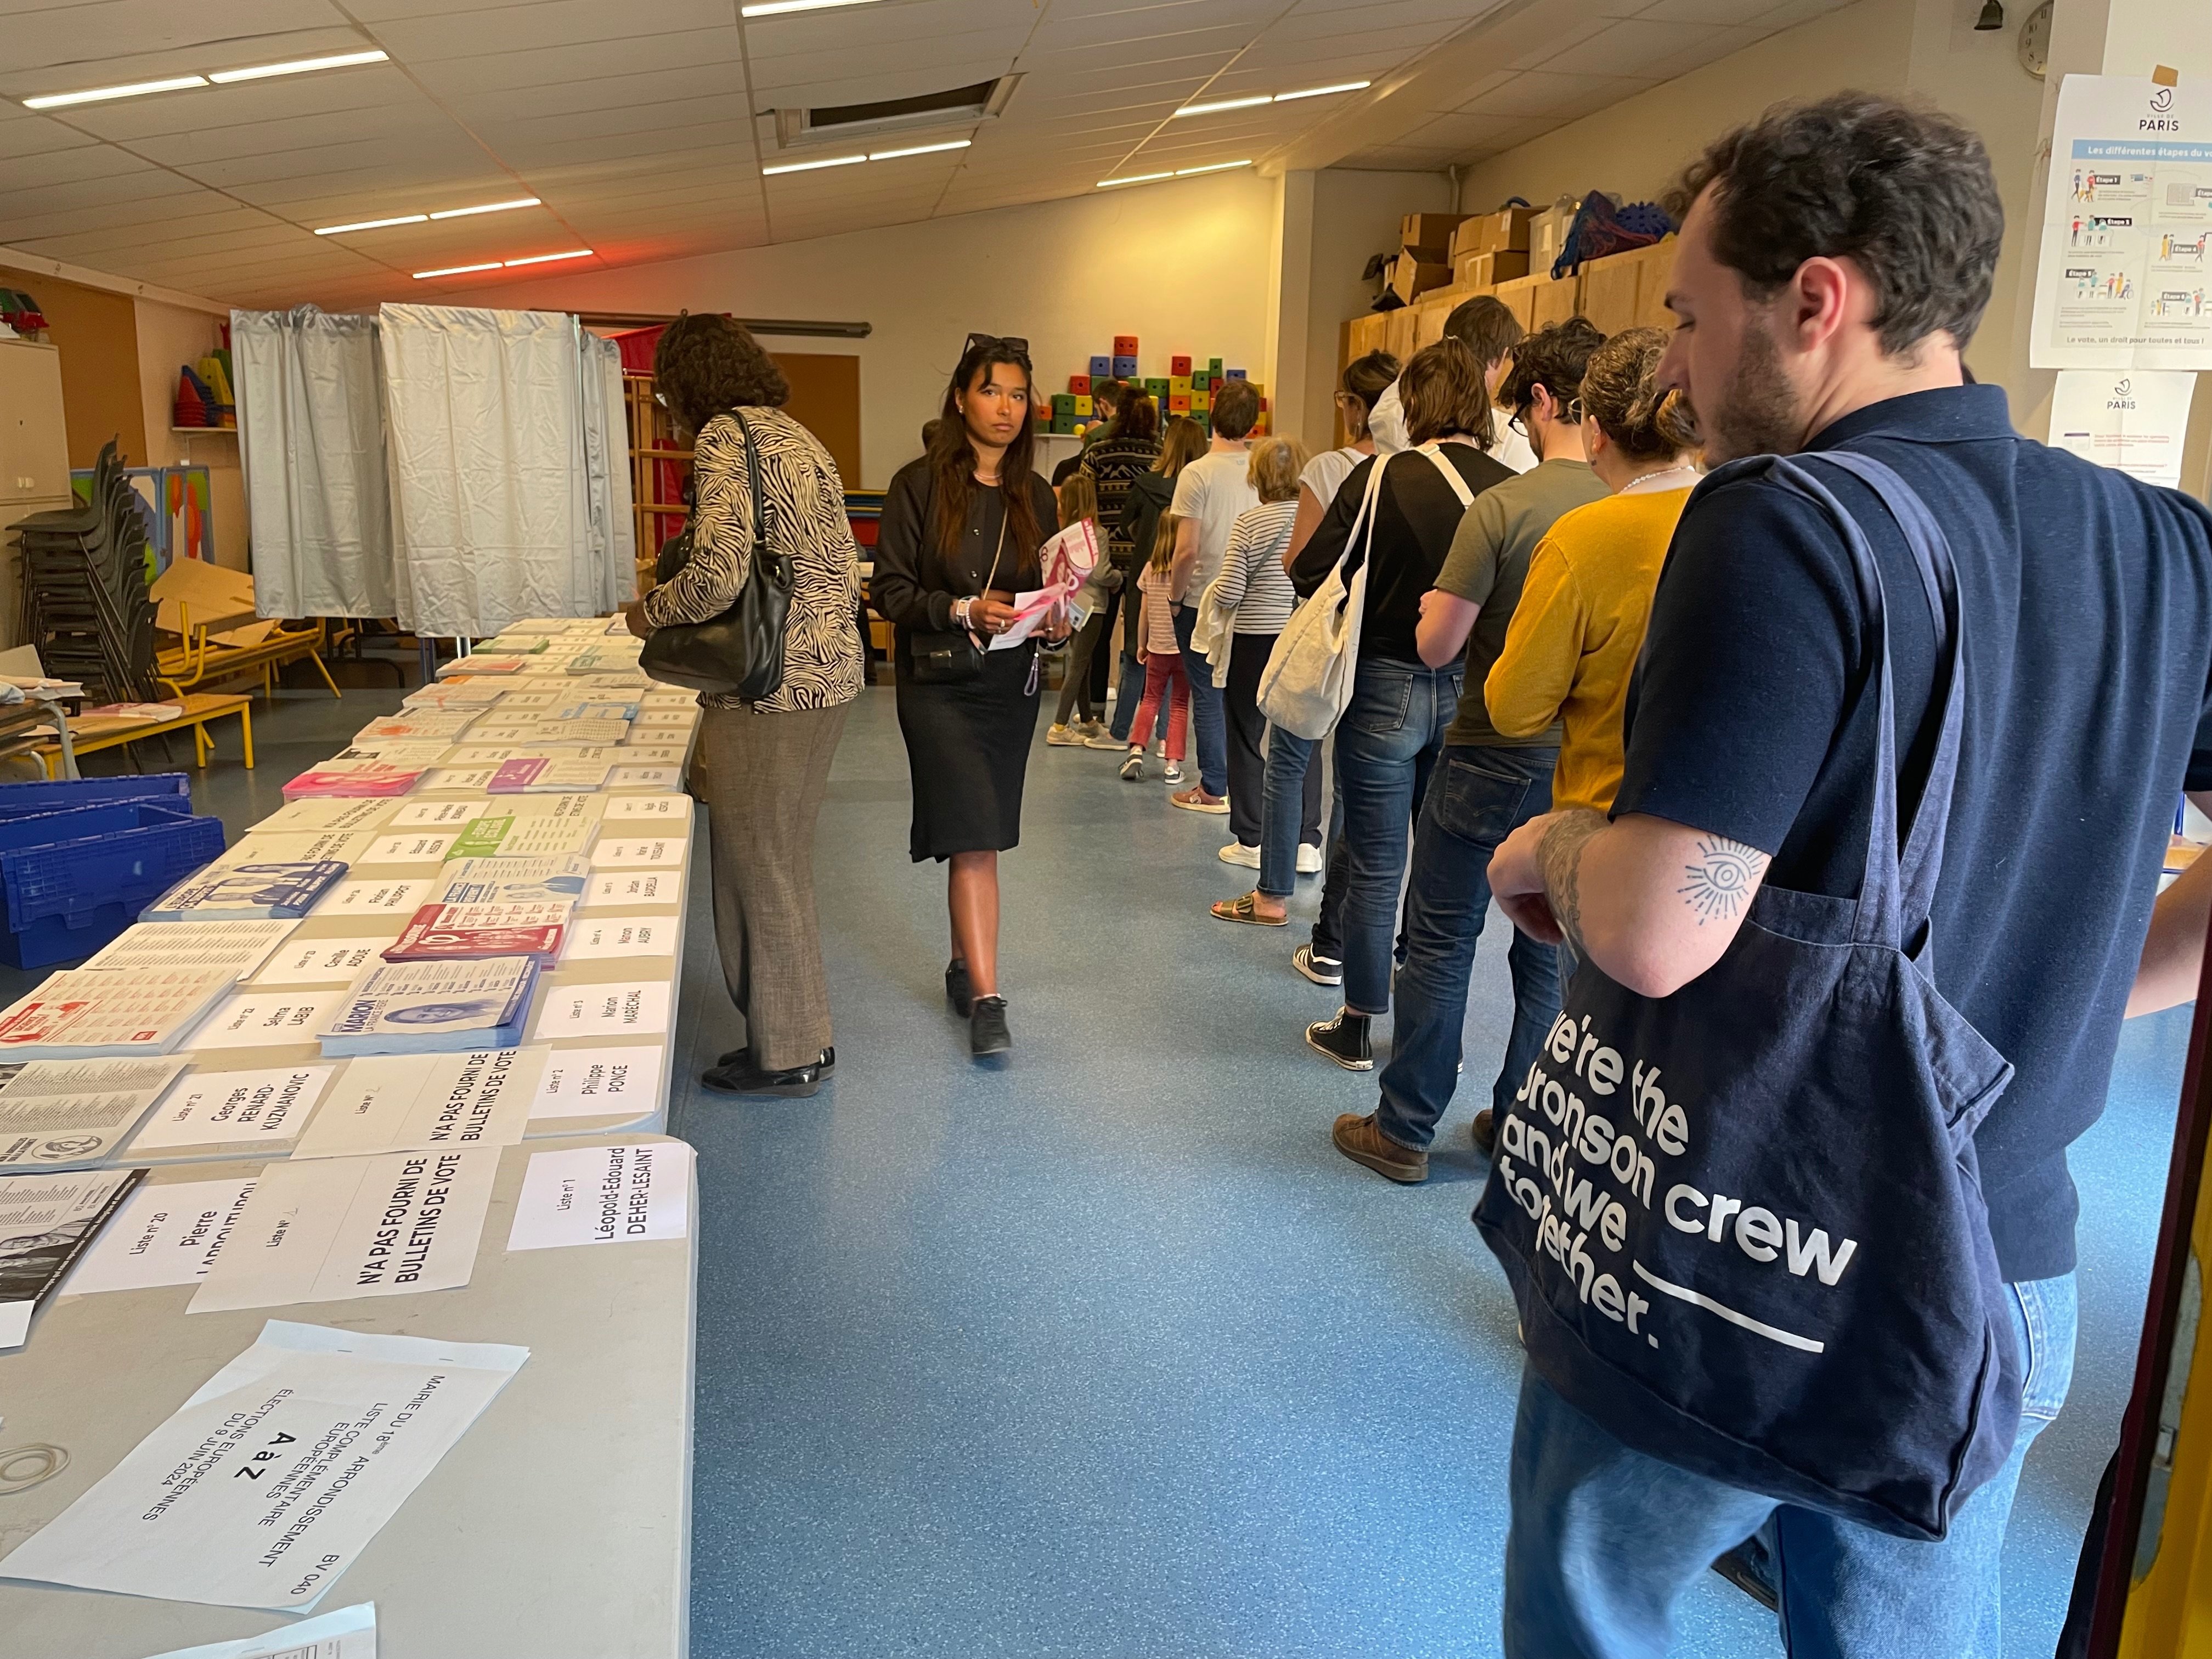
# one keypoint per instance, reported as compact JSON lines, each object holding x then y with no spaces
{"x":1744,"y":1222}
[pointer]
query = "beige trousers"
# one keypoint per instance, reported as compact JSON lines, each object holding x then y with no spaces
{"x":761,"y":779}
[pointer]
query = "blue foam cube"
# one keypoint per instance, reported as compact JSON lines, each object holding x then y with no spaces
{"x":1235,"y":374}
{"x":1101,"y":368}
{"x":1125,"y":368}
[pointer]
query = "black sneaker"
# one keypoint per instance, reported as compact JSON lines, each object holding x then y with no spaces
{"x":987,"y":1028}
{"x":1485,"y":1132}
{"x":1344,"y":1040}
{"x":799,"y":1081}
{"x":959,"y":989}
{"x":741,"y":1059}
{"x":1320,"y":970}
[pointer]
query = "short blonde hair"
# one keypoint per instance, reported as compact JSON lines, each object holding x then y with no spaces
{"x":1274,"y":469}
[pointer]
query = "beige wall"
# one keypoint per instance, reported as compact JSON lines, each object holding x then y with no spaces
{"x":169,"y":337}
{"x":1355,"y":214}
{"x":1183,"y":265}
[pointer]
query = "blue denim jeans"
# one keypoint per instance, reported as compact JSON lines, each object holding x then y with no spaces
{"x":1604,"y":1540}
{"x":1476,"y":797}
{"x":1126,"y":699}
{"x":1208,"y":718}
{"x":1386,"y":744}
{"x":1290,"y":812}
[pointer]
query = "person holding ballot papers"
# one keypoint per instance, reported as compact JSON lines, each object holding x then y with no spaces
{"x":959,"y":568}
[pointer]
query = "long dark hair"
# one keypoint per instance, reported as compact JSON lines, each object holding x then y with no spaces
{"x":1136,"y":418}
{"x":952,"y":455}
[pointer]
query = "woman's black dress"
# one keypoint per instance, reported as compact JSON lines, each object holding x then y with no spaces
{"x":966,"y":746}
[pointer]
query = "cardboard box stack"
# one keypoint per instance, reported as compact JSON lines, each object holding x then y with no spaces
{"x":1424,"y":258}
{"x":1490,"y":248}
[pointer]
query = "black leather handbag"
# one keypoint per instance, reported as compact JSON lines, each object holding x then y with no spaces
{"x":950,"y":656}
{"x":740,"y":652}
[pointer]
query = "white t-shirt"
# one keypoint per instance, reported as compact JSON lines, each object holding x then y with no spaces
{"x":1387,"y":423}
{"x":1325,"y":474}
{"x":1212,"y":490}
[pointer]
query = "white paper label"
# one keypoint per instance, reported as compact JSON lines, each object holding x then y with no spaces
{"x":419,"y":814}
{"x":266,"y":1019}
{"x":661,"y":809}
{"x":624,"y":1194}
{"x":421,"y":1103}
{"x":620,"y":936}
{"x":219,"y":1108}
{"x":616,"y":852}
{"x":417,"y":848}
{"x":600,"y":1082}
{"x":395,"y":897}
{"x":638,"y":889}
{"x":163,"y":1235}
{"x":617,"y":1009}
{"x":321,"y":962}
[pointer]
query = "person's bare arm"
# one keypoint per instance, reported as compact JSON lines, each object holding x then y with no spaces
{"x":1446,"y":621}
{"x":1186,"y":559}
{"x":1652,"y":903}
{"x":1310,"y":515}
{"x":2174,"y":950}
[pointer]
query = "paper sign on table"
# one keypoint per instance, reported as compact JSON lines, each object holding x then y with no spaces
{"x":218,"y":1109}
{"x":449,"y":814}
{"x":165,"y":1235}
{"x":610,"y":1009}
{"x":396,"y":898}
{"x":259,"y":1019}
{"x":652,"y":888}
{"x":321,"y":962}
{"x":239,"y":946}
{"x":604,"y":1195}
{"x":325,"y":812}
{"x":422,"y":1103}
{"x":263,"y":1487}
{"x":644,"y":777}
{"x":415,"y":846}
{"x":661,"y":809}
{"x":334,"y":1229}
{"x":57,"y":1114}
{"x":349,"y":1633}
{"x":598,"y":1082}
{"x":621,"y":936}
{"x":620,"y":852}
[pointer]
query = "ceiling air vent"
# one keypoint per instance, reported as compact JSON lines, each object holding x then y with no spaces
{"x":983,"y":101}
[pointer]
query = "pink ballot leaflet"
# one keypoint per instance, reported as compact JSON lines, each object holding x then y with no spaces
{"x":1069,"y":560}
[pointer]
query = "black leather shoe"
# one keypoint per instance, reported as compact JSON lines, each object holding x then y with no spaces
{"x":1485,"y":1132}
{"x":797,"y":1082}
{"x":741,"y":1059}
{"x":959,"y":989}
{"x":987,"y":1028}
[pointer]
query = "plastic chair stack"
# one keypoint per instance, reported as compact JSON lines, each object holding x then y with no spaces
{"x":85,"y":604}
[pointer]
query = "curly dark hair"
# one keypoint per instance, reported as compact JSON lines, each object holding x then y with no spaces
{"x":1556,"y":358}
{"x":1905,"y":194}
{"x":706,"y":365}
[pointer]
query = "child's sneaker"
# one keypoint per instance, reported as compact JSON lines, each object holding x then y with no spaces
{"x":1063,"y":737}
{"x":1104,"y":738}
{"x":1133,"y":767}
{"x":1173,"y":773}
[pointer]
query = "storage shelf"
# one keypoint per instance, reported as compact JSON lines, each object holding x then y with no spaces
{"x":196,"y":431}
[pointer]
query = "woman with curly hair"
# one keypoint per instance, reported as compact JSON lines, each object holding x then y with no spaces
{"x":763,"y":766}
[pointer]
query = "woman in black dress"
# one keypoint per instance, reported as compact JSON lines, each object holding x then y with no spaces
{"x":961,"y":530}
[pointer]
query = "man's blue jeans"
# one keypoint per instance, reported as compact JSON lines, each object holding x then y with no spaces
{"x":1208,"y":718}
{"x":1604,"y":1540}
{"x":1476,"y":797}
{"x":1387,"y":743}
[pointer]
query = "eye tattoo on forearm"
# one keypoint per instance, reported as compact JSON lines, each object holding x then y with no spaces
{"x":1721,"y":880}
{"x":1560,"y":856}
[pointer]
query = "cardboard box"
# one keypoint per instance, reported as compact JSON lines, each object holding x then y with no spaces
{"x":1411,"y":278}
{"x":1503,"y":232}
{"x":1489,"y":269}
{"x":1125,"y":366}
{"x":1433,"y":230}
{"x":1547,"y":234}
{"x":1125,"y":345}
{"x":1179,"y":368}
{"x":1398,"y":332}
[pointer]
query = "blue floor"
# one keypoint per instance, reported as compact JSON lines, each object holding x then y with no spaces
{"x":1109,"y":1354}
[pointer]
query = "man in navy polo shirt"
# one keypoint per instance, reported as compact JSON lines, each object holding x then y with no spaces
{"x":1834,"y":262}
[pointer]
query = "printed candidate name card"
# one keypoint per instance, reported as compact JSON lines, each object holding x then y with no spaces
{"x":266,"y":1106}
{"x":628,"y":1195}
{"x":616,"y":851}
{"x":396,"y":898}
{"x":336,"y":1228}
{"x":600,"y":1082}
{"x":412,"y":846}
{"x":615,"y":1009}
{"x":165,"y":1235}
{"x":639,"y":889}
{"x":422,"y":1103}
{"x":434,"y":814}
{"x":321,"y":962}
{"x":656,"y":809}
{"x":325,"y":812}
{"x":644,"y":777}
{"x":266,"y":1019}
{"x":621,"y":936}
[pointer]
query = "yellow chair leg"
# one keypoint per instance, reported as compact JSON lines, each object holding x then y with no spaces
{"x":245,"y":733}
{"x":316,"y":658}
{"x":200,"y":746}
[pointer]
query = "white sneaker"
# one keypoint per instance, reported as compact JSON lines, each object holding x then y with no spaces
{"x":1104,"y":739}
{"x":1133,"y":767}
{"x":1173,"y":773}
{"x":1238,"y":853}
{"x":1063,"y":737}
{"x":1309,"y":859}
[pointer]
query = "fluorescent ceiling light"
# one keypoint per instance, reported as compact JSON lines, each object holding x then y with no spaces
{"x":298,"y":66}
{"x":1134,"y":179}
{"x":918,"y":149}
{"x":1278,"y":98}
{"x":101,"y":94}
{"x":488,"y":206}
{"x":455,"y":271}
{"x":540,"y":259}
{"x":501,"y":264}
{"x":810,"y":166}
{"x":373,"y":224}
{"x":777,"y":8}
{"x":1212,"y":167}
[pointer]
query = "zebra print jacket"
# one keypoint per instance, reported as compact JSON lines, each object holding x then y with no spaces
{"x":806,"y":519}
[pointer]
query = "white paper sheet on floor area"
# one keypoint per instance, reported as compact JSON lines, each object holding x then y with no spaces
{"x":263,"y":1488}
{"x":490,"y":477}
{"x":349,"y":1633}
{"x":311,"y":442}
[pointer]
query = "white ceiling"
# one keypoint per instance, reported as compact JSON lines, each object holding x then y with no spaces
{"x":643,"y":127}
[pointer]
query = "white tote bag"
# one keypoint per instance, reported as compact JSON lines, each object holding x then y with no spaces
{"x":1307,"y":684}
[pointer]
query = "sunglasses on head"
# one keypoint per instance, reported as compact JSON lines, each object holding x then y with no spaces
{"x":1010,"y":342}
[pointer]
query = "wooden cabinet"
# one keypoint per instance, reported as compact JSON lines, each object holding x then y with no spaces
{"x":1629,"y":290}
{"x":33,"y":439}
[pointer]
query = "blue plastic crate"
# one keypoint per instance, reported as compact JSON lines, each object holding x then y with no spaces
{"x":17,"y":801}
{"x":72,"y":881}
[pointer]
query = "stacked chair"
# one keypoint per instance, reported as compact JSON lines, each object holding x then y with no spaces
{"x":85,"y":603}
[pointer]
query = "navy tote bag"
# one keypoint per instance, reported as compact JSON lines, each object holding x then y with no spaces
{"x":1744,"y":1222}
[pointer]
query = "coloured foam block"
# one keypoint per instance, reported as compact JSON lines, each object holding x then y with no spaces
{"x":1158,"y":387}
{"x":1063,"y":424}
{"x":1078,"y":386}
{"x":1205,"y":423}
{"x":1179,"y":367}
{"x":1235,"y":374}
{"x":1063,"y":403}
{"x":1178,"y":402}
{"x":1125,"y":367}
{"x":1201,"y":403}
{"x":1082,"y":405}
{"x":1125,"y":345}
{"x":1178,"y":386}
{"x":1213,"y":367}
{"x":1101,"y":368}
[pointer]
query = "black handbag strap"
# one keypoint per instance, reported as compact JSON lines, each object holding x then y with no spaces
{"x":762,"y":559}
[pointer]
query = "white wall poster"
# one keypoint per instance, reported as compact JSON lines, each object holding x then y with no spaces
{"x":2132,"y":420}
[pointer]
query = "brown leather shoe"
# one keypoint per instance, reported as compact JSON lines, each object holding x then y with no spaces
{"x":1359,"y":1139}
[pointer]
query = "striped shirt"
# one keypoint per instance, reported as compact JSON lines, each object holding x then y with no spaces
{"x":1253,"y":579}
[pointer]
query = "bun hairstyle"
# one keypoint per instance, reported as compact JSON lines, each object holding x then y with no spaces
{"x":1366,"y":378}
{"x":1275,"y":468}
{"x":1555,"y":357}
{"x":1618,"y":391}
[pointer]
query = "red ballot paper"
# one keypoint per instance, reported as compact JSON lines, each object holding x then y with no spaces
{"x":473,"y":932}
